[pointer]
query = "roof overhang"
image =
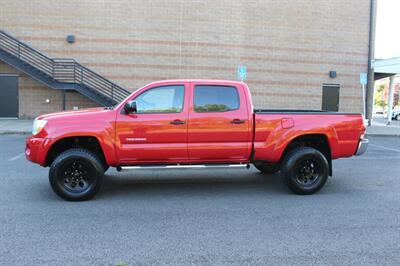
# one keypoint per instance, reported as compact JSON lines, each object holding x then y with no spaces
{"x":386,"y":67}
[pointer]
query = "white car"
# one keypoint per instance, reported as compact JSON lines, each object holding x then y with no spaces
{"x":396,"y":114}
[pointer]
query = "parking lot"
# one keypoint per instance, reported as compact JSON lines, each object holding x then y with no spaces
{"x":383,"y":121}
{"x":203,"y":217}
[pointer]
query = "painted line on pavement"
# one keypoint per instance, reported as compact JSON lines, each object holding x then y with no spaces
{"x":17,"y":157}
{"x":375,"y":158}
{"x":385,"y":148}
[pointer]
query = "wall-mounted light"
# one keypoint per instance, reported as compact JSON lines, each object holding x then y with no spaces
{"x":48,"y":101}
{"x":332,"y":74}
{"x":70,"y":38}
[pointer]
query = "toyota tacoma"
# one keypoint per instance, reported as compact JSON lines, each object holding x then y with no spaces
{"x":191,"y":124}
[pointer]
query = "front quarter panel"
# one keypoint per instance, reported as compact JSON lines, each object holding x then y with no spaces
{"x":94,"y":124}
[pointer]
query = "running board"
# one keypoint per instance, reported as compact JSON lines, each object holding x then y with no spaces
{"x":183,"y":166}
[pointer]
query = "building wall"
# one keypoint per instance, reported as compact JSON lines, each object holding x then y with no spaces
{"x":288,"y":46}
{"x":32,"y":96}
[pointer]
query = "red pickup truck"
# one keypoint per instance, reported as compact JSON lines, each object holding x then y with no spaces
{"x":191,"y":123}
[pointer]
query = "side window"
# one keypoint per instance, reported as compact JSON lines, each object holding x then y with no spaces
{"x":166,"y":99}
{"x":215,"y":98}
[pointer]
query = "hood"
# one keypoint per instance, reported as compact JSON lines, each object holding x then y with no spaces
{"x":67,"y":114}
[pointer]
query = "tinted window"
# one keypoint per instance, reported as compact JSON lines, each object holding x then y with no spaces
{"x":215,"y":98}
{"x":166,"y":99}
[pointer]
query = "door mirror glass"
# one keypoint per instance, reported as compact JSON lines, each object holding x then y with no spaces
{"x":130,"y":107}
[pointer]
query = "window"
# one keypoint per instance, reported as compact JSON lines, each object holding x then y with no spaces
{"x":215,"y":98}
{"x":166,"y":99}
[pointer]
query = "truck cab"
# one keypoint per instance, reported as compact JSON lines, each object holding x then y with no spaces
{"x":181,"y":122}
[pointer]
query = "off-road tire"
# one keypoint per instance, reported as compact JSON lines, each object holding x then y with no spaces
{"x":295,"y":170}
{"x":76,"y":174}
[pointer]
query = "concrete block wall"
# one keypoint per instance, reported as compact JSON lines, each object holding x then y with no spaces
{"x":288,"y":46}
{"x":32,"y":96}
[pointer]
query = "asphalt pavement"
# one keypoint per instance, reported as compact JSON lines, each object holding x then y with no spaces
{"x":383,"y":121}
{"x":212,"y":217}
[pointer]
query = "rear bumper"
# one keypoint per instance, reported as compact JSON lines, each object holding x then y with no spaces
{"x":362,"y":146}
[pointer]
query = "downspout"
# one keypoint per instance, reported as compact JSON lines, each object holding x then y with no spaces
{"x":370,"y":84}
{"x":63,"y":96}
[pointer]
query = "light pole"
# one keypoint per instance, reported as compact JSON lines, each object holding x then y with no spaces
{"x":390,"y":100}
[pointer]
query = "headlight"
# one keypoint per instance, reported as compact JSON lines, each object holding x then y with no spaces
{"x":38,"y":125}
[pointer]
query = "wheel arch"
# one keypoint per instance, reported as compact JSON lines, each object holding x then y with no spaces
{"x":318,"y":141}
{"x":91,"y":143}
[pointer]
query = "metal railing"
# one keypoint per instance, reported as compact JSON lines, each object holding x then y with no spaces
{"x":63,"y":70}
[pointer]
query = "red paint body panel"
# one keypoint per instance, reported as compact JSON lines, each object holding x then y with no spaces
{"x":203,"y":138}
{"x":151,"y":138}
{"x":95,"y":122}
{"x":342,"y":131}
{"x":213,"y":138}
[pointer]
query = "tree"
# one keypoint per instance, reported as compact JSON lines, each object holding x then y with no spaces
{"x":379,"y":97}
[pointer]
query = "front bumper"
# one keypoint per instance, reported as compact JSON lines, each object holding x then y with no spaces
{"x":362,"y":146}
{"x":36,"y":149}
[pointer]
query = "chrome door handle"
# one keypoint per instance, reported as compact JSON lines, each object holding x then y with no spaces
{"x":177,"y":122}
{"x":237,"y":121}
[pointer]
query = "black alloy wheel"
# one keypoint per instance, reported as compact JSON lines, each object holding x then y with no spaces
{"x":75,"y":176}
{"x":307,"y":172}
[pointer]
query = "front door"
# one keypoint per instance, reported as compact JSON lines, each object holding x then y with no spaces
{"x":157,"y":133}
{"x":9,"y":96}
{"x":219,"y":127}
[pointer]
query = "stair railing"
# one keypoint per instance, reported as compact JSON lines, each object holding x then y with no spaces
{"x":63,"y":70}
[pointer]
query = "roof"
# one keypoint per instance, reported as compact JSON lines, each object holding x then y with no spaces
{"x":386,"y":67}
{"x":199,"y":81}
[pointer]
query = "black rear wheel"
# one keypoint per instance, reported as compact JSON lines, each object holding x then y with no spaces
{"x":304,"y":170}
{"x":76,"y":174}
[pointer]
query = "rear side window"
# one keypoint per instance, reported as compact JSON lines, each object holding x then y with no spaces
{"x":215,"y":98}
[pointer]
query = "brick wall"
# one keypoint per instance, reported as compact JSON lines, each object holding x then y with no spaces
{"x":32,"y":96}
{"x":288,"y":46}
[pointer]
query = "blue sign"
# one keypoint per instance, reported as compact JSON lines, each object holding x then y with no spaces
{"x":242,"y":73}
{"x":363,"y":78}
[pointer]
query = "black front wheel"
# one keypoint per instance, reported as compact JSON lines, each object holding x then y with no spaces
{"x":305,"y":170}
{"x":76,"y":174}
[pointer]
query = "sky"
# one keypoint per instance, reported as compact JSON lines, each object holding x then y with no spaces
{"x":387,"y":42}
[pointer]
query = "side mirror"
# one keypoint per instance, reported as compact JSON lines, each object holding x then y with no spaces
{"x":130,"y":107}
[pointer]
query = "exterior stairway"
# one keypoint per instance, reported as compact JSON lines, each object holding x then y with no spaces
{"x":59,"y":73}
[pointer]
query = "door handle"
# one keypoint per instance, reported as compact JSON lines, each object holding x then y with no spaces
{"x":177,"y":122}
{"x":237,"y":121}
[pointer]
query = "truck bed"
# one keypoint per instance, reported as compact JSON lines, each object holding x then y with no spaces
{"x":274,"y":128}
{"x":293,"y":111}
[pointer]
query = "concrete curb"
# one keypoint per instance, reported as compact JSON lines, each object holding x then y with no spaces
{"x":383,"y":135}
{"x":15,"y":132}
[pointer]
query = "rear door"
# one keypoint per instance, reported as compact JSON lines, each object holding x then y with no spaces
{"x":219,"y":126}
